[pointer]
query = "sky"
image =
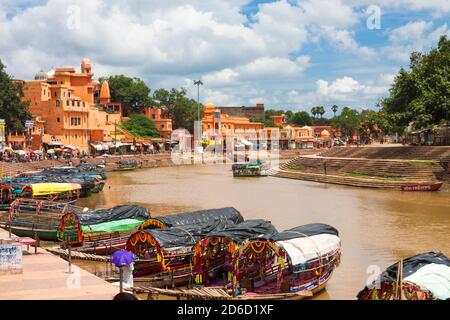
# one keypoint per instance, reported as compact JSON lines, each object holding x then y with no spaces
{"x":287,"y":54}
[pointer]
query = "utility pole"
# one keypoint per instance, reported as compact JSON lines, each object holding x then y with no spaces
{"x":115,"y":136}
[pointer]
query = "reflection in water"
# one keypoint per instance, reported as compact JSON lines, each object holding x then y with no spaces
{"x":377,"y":227}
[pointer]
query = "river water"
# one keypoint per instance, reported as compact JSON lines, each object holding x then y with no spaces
{"x":377,"y":227}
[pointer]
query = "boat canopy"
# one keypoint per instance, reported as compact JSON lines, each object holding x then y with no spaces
{"x":194,"y":217}
{"x":122,"y":225}
{"x":429,"y":271}
{"x":250,"y":229}
{"x":92,"y":217}
{"x":41,"y":189}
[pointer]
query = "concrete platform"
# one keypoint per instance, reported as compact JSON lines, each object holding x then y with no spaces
{"x":45,"y":277}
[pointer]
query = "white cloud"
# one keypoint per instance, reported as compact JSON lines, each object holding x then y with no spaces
{"x":413,"y":36}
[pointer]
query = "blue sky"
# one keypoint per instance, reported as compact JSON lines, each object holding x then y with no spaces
{"x":287,"y":54}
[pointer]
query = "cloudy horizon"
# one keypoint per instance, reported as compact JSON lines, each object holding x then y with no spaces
{"x":286,"y":54}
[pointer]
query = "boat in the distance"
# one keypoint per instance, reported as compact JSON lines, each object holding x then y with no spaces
{"x":249,"y":169}
{"x":421,"y":186}
{"x":126,"y":165}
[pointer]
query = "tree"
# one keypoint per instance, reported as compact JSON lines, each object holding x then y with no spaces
{"x":422,"y":94}
{"x":314,"y":111}
{"x":301,"y":118}
{"x":141,"y":126}
{"x":133,"y":93}
{"x":320,"y":110}
{"x":348,"y":121}
{"x":334,"y":108}
{"x":179,"y":107}
{"x":12,"y":108}
{"x":266,"y":122}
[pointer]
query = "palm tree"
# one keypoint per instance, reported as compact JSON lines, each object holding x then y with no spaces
{"x":314,"y":111}
{"x":334,"y":108}
{"x":321,"y":111}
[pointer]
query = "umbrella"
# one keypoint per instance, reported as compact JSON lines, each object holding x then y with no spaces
{"x":20,"y":152}
{"x":70,"y":147}
{"x":122,"y":258}
{"x":51,"y":151}
{"x":37,"y":151}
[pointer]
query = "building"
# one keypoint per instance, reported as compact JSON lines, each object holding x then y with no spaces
{"x":63,"y":102}
{"x":256,"y":112}
{"x":214,"y":118}
{"x":162,"y":124}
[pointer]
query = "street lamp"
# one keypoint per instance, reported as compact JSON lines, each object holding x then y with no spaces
{"x":198,"y":83}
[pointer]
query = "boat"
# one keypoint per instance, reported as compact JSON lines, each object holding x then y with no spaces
{"x":57,"y":192}
{"x":421,"y":186}
{"x":425,"y":276}
{"x":249,"y":169}
{"x":107,"y":230}
{"x":292,"y":264}
{"x":31,"y":218}
{"x":126,"y":165}
{"x":163,"y":246}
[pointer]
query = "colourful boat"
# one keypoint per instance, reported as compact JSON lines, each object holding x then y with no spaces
{"x":421,"y":186}
{"x":251,"y":169}
{"x":56,"y":192}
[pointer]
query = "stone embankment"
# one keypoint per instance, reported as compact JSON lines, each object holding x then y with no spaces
{"x":371,"y":167}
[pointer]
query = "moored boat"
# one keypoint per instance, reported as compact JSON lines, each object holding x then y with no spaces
{"x":249,"y":169}
{"x":57,"y":192}
{"x":424,"y":276}
{"x":421,"y":186}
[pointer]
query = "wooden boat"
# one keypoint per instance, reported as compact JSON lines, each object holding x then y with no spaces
{"x":255,"y":169}
{"x":421,"y":186}
{"x":277,"y":266}
{"x":126,"y":165}
{"x":31,"y":218}
{"x":56,"y":192}
{"x":422,"y":277}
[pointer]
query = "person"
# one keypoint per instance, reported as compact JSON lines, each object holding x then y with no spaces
{"x":125,"y":296}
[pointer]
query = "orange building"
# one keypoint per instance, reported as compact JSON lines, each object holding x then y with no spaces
{"x":162,"y":124}
{"x":64,"y":102}
{"x":214,"y":119}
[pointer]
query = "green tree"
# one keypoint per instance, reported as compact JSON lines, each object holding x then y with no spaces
{"x":422,"y":94}
{"x":12,"y":108}
{"x":320,"y":111}
{"x":133,"y":93}
{"x":334,"y":108}
{"x":314,"y":111}
{"x":266,"y":122}
{"x":348,"y":121}
{"x":179,"y":107}
{"x":301,"y":118}
{"x":141,"y":126}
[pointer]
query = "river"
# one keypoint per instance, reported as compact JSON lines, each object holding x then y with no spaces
{"x":377,"y":227}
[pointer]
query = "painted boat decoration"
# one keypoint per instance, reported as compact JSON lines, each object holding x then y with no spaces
{"x":421,"y":186}
{"x":425,"y":276}
{"x":292,"y":264}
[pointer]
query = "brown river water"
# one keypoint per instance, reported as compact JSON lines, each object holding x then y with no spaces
{"x":377,"y":227}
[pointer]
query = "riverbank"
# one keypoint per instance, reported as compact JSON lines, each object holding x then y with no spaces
{"x":144,"y":161}
{"x":372,"y":167}
{"x":45,"y":276}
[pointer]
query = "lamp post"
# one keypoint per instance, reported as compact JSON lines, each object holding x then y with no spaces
{"x":198,"y":83}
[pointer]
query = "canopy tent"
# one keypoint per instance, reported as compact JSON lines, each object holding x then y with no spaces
{"x":246,"y":142}
{"x":51,"y":151}
{"x":416,"y":285}
{"x":20,"y":152}
{"x":194,"y":217}
{"x":92,"y":217}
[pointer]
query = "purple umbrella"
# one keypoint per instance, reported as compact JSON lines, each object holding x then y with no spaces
{"x":122,"y":258}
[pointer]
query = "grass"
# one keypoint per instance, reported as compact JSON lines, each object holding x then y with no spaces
{"x":422,"y":162}
{"x":363,"y":175}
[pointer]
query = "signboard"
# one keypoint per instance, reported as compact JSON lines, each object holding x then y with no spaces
{"x":10,"y":258}
{"x":28,"y":123}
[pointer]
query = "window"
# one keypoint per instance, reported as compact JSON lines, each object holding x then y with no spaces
{"x":153,"y":116}
{"x":58,"y":120}
{"x":69,"y":94}
{"x":79,"y":104}
{"x":162,"y":126}
{"x":73,"y":103}
{"x":68,"y":102}
{"x":58,"y":103}
{"x":55,"y":94}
